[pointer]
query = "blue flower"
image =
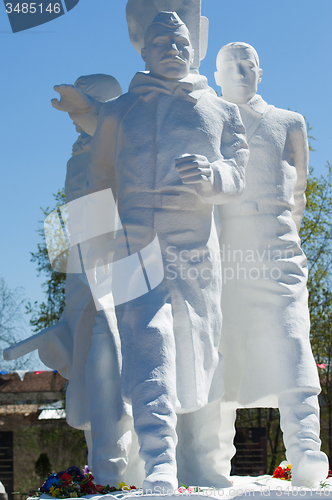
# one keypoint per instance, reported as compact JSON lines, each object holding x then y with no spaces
{"x":50,"y":481}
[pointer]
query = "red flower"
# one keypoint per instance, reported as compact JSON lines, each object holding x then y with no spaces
{"x":278,"y":472}
{"x":65,"y":478}
{"x":99,"y":488}
{"x":282,"y":473}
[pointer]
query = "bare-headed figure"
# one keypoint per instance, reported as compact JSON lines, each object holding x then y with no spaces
{"x":267,"y":358}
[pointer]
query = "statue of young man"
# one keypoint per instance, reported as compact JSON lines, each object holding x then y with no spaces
{"x":267,"y":357}
{"x":175,"y":150}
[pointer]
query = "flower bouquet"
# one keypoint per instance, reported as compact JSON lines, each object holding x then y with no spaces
{"x":73,"y":483}
{"x":283,"y":472}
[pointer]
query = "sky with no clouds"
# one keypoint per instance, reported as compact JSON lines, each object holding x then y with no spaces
{"x":292,"y":38}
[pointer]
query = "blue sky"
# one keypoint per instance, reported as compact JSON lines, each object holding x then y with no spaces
{"x":292,"y":38}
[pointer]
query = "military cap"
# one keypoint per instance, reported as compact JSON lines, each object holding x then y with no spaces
{"x":170,"y":19}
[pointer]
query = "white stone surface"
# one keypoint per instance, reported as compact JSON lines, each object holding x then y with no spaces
{"x":267,"y":358}
{"x":173,"y":150}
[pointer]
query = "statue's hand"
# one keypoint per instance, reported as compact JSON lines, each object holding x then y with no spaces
{"x":98,"y":254}
{"x":72,"y":99}
{"x":195,"y":169}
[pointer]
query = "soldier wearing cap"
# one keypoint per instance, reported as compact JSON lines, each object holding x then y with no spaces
{"x":173,"y":150}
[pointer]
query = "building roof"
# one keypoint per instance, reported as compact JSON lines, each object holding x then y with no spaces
{"x":36,"y":387}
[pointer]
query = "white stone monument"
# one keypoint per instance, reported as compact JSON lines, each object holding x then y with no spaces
{"x":93,"y":397}
{"x":84,"y":346}
{"x":175,"y":150}
{"x":267,"y":358}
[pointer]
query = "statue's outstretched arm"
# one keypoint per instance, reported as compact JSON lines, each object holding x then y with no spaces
{"x":36,"y":341}
{"x":82,"y":108}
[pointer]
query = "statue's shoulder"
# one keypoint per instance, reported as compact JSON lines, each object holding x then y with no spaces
{"x":288,"y":117}
{"x":114,"y":108}
{"x":219,"y":104}
{"x":228,"y":107}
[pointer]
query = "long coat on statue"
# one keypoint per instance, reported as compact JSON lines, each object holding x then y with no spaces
{"x":138,"y":137}
{"x":71,"y":342}
{"x":265,"y":334}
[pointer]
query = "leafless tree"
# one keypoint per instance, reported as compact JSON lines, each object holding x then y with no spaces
{"x":12,"y":324}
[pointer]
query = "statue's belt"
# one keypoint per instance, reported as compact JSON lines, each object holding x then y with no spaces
{"x":175,"y":201}
{"x":255,"y":208}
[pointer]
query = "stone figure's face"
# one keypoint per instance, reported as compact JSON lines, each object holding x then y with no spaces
{"x":168,"y":53}
{"x":238,"y":74}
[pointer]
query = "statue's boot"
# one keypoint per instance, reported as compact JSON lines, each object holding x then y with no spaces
{"x":155,"y":424}
{"x":299,"y":421}
{"x":134,"y":473}
{"x":113,"y":448}
{"x":205,"y":446}
{"x":111,"y":438}
{"x":148,"y":381}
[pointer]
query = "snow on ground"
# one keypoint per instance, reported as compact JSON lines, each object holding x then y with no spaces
{"x":243,"y":487}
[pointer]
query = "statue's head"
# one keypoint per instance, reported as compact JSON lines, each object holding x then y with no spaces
{"x":101,"y":87}
{"x":167,"y":47}
{"x":238,"y":72}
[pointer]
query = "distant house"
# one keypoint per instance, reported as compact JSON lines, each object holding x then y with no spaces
{"x":24,"y":397}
